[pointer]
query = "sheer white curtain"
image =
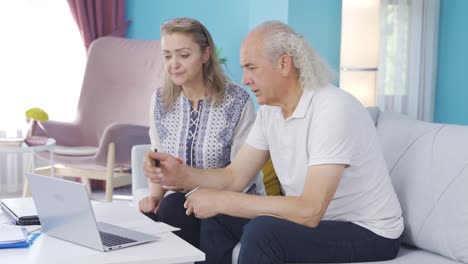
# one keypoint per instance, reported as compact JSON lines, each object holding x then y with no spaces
{"x":42,"y":60}
{"x":42,"y":64}
{"x":408,"y":57}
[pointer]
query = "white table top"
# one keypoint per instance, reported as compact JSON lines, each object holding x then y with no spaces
{"x":49,"y":145}
{"x":168,"y":249}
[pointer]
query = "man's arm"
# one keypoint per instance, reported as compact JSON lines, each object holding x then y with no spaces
{"x":307,"y":209}
{"x":234,"y":177}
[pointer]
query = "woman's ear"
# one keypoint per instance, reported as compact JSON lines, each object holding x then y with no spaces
{"x":206,"y":54}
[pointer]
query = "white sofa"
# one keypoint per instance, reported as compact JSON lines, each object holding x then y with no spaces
{"x":428,"y":165}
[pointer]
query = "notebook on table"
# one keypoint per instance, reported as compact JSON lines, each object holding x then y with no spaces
{"x":66,"y":213}
{"x":21,"y":210}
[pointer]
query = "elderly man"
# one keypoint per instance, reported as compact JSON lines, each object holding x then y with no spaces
{"x":339,"y":204}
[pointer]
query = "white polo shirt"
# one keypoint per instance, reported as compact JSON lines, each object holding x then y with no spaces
{"x":329,"y":126}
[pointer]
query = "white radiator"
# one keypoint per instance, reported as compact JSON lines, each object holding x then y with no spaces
{"x":12,"y":168}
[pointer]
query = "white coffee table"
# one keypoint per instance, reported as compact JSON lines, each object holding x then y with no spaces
{"x":168,"y":249}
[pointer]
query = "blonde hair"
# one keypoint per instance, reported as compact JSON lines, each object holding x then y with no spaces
{"x":213,"y":74}
{"x":279,"y":39}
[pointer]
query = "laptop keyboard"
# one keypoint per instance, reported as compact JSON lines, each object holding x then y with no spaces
{"x":110,"y":240}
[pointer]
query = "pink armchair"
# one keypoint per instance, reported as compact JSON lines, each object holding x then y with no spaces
{"x":113,"y":113}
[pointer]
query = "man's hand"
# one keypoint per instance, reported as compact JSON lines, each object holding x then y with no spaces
{"x":150,"y":169}
{"x":170,"y":175}
{"x":204,"y":203}
{"x":149,"y":204}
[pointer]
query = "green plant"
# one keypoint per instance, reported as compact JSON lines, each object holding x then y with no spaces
{"x":222,"y":60}
{"x":37,"y":114}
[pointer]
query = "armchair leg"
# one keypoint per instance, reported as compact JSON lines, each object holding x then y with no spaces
{"x":48,"y":171}
{"x":110,"y":172}
{"x":25,"y":188}
{"x":88,"y":185}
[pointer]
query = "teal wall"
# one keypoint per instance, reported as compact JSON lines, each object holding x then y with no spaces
{"x":320,"y":22}
{"x":220,"y":17}
{"x":262,"y":10}
{"x":451,"y":104}
{"x":229,"y":21}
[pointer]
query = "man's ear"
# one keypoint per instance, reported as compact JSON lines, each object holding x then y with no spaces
{"x":206,"y":54}
{"x":285,"y":64}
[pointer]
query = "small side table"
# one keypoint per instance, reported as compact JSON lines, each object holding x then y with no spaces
{"x":48,"y":146}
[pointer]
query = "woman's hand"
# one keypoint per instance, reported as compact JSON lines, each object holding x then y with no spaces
{"x":149,"y":204}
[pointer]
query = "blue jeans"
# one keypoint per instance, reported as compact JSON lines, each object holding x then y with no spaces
{"x":267,"y":239}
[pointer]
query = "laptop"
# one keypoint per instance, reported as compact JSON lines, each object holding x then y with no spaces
{"x":21,"y":210}
{"x":66,"y":213}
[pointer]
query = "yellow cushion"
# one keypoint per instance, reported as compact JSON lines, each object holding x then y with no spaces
{"x":272,"y":184}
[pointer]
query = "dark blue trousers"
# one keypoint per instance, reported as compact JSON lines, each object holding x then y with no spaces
{"x":172,"y":212}
{"x":268,"y":239}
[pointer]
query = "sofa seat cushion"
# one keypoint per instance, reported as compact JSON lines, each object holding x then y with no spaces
{"x":428,"y":166}
{"x":409,"y":255}
{"x":406,"y":255}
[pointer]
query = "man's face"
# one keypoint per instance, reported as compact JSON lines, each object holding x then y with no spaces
{"x":259,"y":73}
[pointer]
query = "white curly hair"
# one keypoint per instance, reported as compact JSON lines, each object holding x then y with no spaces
{"x":279,"y":39}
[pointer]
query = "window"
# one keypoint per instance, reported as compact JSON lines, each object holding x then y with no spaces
{"x":42,"y":61}
{"x":408,"y":57}
{"x":360,"y":36}
{"x":404,"y":48}
{"x":395,"y":34}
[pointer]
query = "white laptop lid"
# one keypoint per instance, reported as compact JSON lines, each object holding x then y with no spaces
{"x":66,"y":212}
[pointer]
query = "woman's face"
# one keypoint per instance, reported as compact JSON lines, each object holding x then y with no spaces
{"x":183,"y":59}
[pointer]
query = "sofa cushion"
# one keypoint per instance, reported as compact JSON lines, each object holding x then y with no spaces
{"x":428,"y":165}
{"x":409,"y":255}
{"x":270,"y":180}
{"x":406,"y":255}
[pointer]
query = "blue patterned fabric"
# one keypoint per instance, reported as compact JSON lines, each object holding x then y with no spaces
{"x":193,"y":132}
{"x":202,"y":137}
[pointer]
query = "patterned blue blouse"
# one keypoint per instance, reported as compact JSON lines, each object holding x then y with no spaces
{"x":208,"y":136}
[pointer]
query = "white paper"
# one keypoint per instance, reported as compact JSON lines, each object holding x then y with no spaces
{"x":11,"y":234}
{"x":32,"y":229}
{"x":151,"y":228}
{"x":129,"y":217}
